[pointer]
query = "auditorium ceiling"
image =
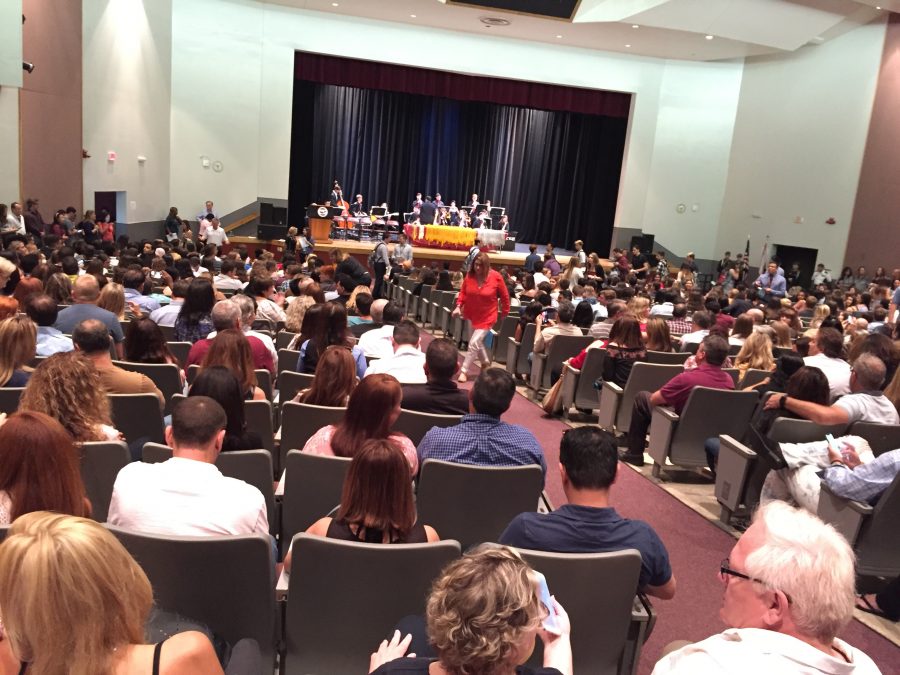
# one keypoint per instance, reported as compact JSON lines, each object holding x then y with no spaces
{"x":699,"y":30}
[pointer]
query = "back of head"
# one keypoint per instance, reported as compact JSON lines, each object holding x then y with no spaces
{"x":196,"y":421}
{"x":480,"y":608}
{"x":364,"y":303}
{"x":86,"y":289}
{"x":679,"y":310}
{"x":626,"y":331}
{"x":134,"y":279}
{"x":391,"y":314}
{"x":377,"y":310}
{"x":226,"y":314}
{"x":565,"y":311}
{"x":42,"y":309}
{"x":369,"y":413}
{"x":69,"y":577}
{"x":221,"y":385}
{"x":869,"y":371}
{"x":590,"y":458}
{"x":716,"y":349}
{"x":830,"y":342}
{"x":809,"y":384}
{"x":810,"y":563}
{"x":493,"y":392}
{"x":91,"y":336}
{"x":702,"y":319}
{"x":335,"y":379}
{"x":441,"y":359}
{"x":406,"y":333}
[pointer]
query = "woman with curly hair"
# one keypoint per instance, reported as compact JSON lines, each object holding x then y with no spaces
{"x":482,"y":617}
{"x":59,"y":287}
{"x":304,"y":298}
{"x":755,"y":353}
{"x":67,"y":387}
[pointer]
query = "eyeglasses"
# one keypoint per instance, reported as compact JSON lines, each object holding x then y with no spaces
{"x":726,"y":571}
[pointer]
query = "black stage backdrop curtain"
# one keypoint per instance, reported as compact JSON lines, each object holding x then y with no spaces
{"x":557,"y":173}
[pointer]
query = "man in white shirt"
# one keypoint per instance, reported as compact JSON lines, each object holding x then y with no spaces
{"x":214,"y":234}
{"x":203,"y":217}
{"x":166,"y":315}
{"x":825,"y":354}
{"x":789,"y":590}
{"x":539,"y":276}
{"x":407,"y":363}
{"x":701,"y":322}
{"x":187,"y":495}
{"x":15,"y":220}
{"x":821,"y":275}
{"x":227,"y":279}
{"x":378,"y":342}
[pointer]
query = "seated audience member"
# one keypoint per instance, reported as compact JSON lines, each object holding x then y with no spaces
{"x":227,"y":279}
{"x":659,"y":339}
{"x":584,"y":315}
{"x":167,"y":314}
{"x":112,"y":299}
{"x":865,"y":402}
{"x":529,"y":314}
{"x":377,"y":503}
{"x":194,"y":321}
{"x":375,"y":316}
{"x":786,"y":365}
{"x":789,"y":590}
{"x":145,"y":343}
{"x":220,"y":384}
{"x":839,"y":466}
{"x":710,"y":356}
{"x":624,"y":349}
{"x":885,"y":603}
{"x":248,"y":316}
{"x":59,"y":287}
{"x":546,"y":330}
{"x":73,"y":568}
{"x":482,"y":616}
{"x":68,"y":388}
{"x":329,"y":329}
{"x":587,"y":523}
{"x":373,"y":408}
{"x":345,"y":287}
{"x":231,"y":349}
{"x":91,"y":338}
{"x":376,"y":343}
{"x":826,"y":352}
{"x":268,"y":300}
{"x":187,"y":494}
{"x":679,"y":324}
{"x":134,"y":281}
{"x":18,"y":338}
{"x":334,"y":381}
{"x":742,"y":329}
{"x":407,"y":363}
{"x":440,"y":395}
{"x":701,"y":322}
{"x":85,"y":294}
{"x":9,"y":306}
{"x":481,"y":437}
{"x":42,"y":309}
{"x":30,"y":444}
{"x":363,"y":304}
{"x":306,"y":295}
{"x":756,"y":353}
{"x":600,"y":330}
{"x":227,"y":315}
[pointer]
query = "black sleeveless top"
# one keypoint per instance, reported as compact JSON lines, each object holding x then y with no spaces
{"x":156,"y":652}
{"x":339,"y":529}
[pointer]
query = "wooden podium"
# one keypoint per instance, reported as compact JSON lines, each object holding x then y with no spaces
{"x":320,"y":228}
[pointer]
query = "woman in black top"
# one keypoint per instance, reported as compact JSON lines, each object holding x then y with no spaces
{"x":347,"y":264}
{"x":624,"y":349}
{"x":220,"y":384}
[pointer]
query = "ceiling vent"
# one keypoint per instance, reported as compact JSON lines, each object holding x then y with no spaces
{"x":493,"y":21}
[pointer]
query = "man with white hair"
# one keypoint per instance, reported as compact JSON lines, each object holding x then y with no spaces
{"x":789,"y":590}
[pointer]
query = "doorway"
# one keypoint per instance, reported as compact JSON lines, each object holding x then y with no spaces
{"x":114,"y":203}
{"x":805,"y":258}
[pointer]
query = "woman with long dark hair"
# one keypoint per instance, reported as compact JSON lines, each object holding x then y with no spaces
{"x":220,"y":384}
{"x":326,"y":327}
{"x":232,"y":350}
{"x":194,"y":321}
{"x":477,"y":301}
{"x":145,"y":343}
{"x":335,"y":379}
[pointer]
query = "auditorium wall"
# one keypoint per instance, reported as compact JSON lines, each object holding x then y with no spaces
{"x":798,"y":145}
{"x":10,"y":81}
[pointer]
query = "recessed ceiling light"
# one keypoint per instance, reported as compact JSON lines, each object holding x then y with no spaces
{"x":412,"y":16}
{"x":335,"y":4}
{"x":709,"y":37}
{"x":628,"y":46}
{"x":559,"y":37}
{"x":634,"y":25}
{"x":878,"y":8}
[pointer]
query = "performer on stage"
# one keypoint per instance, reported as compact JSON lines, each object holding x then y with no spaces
{"x":454,"y":212}
{"x":474,"y":202}
{"x":426,"y":211}
{"x":337,"y":195}
{"x":464,"y":219}
{"x":503,"y":223}
{"x":417,"y":202}
{"x":437,"y":200}
{"x":357,"y":208}
{"x":443,"y":217}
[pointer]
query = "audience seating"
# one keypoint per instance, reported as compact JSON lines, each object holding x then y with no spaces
{"x":753,"y":377}
{"x":180,"y":350}
{"x":345,"y":598}
{"x":474,"y":504}
{"x":167,"y":331}
{"x":871,"y":530}
{"x":312,"y":489}
{"x":442,"y":306}
{"x":562,"y":347}
{"x":138,"y":417}
{"x":264,"y":382}
{"x":616,"y":402}
{"x":667,"y":358}
{"x":258,"y":415}
{"x":154,"y":453}
{"x":740,"y":472}
{"x":507,"y":330}
{"x":517,"y":352}
{"x":166,"y":377}
{"x":691,"y":348}
{"x":287,"y":360}
{"x":578,"y":385}
{"x":708,"y":412}
{"x":283,"y":339}
{"x":881,"y":437}
{"x":225,"y":582}
{"x":291,"y":383}
{"x":254,"y":467}
{"x":583,"y":583}
{"x":100,"y":464}
{"x":299,"y":421}
{"x":416,"y":424}
{"x":9,"y":399}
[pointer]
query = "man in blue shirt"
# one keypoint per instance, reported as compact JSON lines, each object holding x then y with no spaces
{"x":85,"y":293}
{"x":134,"y":281}
{"x":771,"y":283}
{"x":481,"y":438}
{"x":532,"y":258}
{"x":588,"y":524}
{"x":42,"y":309}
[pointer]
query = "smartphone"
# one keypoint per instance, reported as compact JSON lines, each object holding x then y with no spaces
{"x":830,"y":439}
{"x":550,"y":624}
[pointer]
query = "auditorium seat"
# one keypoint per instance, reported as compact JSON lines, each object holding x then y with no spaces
{"x":517,"y":352}
{"x":291,"y":383}
{"x":313,"y":485}
{"x":578,"y":385}
{"x":138,"y":417}
{"x":562,"y":347}
{"x":180,"y":350}
{"x":667,"y":358}
{"x":416,"y":424}
{"x":881,"y":437}
{"x":166,"y":377}
{"x":754,"y":376}
{"x":507,"y":330}
{"x":474,"y":504}
{"x":617,"y":402}
{"x":287,"y":360}
{"x":299,"y":421}
{"x":345,"y":597}
{"x":100,"y":464}
{"x":283,"y":339}
{"x":9,"y":399}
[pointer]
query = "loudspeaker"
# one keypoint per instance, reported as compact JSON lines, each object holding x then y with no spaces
{"x":644,"y":241}
{"x":265,"y":213}
{"x":279,"y":215}
{"x":270,"y":232}
{"x":510,"y":243}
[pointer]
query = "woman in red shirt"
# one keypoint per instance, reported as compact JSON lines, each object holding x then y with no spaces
{"x":477,"y":302}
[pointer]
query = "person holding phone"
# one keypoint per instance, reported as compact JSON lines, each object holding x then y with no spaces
{"x":483,"y":615}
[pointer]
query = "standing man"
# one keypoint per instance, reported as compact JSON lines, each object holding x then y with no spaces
{"x":214,"y":234}
{"x":15,"y":222}
{"x":821,"y":275}
{"x":381,"y":262}
{"x":203,"y":218}
{"x":427,"y":210}
{"x":34,"y":221}
{"x":437,"y":200}
{"x":579,"y":252}
{"x":532,"y":259}
{"x":770,"y":283}
{"x":403,"y":255}
{"x":639,"y":263}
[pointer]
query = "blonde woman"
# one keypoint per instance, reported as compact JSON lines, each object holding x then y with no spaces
{"x":18,"y":341}
{"x":67,"y":387}
{"x":820,"y":313}
{"x":112,"y":299}
{"x":639,"y":308}
{"x":755,"y":353}
{"x":74,"y":601}
{"x":782,"y":334}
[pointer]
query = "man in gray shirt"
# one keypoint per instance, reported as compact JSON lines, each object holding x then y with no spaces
{"x":85,"y":294}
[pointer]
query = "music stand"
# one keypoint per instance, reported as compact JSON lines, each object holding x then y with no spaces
{"x":497,"y":211}
{"x":378,"y":211}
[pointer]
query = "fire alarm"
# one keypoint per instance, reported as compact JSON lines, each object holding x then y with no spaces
{"x":110,"y":156}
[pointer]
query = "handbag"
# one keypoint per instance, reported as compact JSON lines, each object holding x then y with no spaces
{"x":552,"y":401}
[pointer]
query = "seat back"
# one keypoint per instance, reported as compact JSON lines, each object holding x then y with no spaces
{"x":283,"y":338}
{"x":9,"y":399}
{"x":287,"y":360}
{"x":474,"y":504}
{"x":881,"y":437}
{"x":643,"y":377}
{"x":708,"y":413}
{"x":583,"y":583}
{"x":345,"y":596}
{"x":507,"y":330}
{"x":258,"y":415}
{"x":100,"y":465}
{"x":517,"y":354}
{"x":166,"y":377}
{"x":591,"y":370}
{"x":264,"y":382}
{"x":878,"y":546}
{"x":667,"y":358}
{"x":787,"y":430}
{"x":168,"y":332}
{"x":313,"y":486}
{"x":180,"y":350}
{"x":299,"y":421}
{"x":562,"y":347}
{"x":138,"y":417}
{"x":225,"y":582}
{"x":254,"y":467}
{"x":754,"y":376}
{"x":154,"y":453}
{"x":416,"y":424}
{"x":290,"y":383}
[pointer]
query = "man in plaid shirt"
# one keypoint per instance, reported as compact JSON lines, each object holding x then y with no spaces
{"x":679,"y":324}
